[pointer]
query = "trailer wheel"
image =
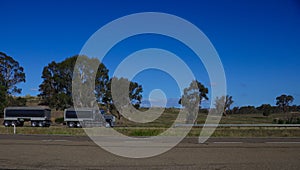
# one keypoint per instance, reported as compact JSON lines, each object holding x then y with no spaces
{"x":109,"y":122}
{"x":41,"y":124}
{"x":33,"y":124}
{"x":7,"y":123}
{"x":71,"y":124}
{"x":21,"y":123}
{"x":107,"y":125}
{"x":78,"y":124}
{"x":14,"y":123}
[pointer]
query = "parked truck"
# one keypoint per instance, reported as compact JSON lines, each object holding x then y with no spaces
{"x":16,"y":116}
{"x":87,"y":117}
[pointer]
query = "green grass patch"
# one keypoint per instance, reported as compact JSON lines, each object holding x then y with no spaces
{"x":52,"y":130}
{"x":251,"y":132}
{"x":168,"y":117}
{"x":145,"y":131}
{"x":219,"y":132}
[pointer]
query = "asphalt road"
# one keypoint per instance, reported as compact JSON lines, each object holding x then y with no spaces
{"x":66,"y":152}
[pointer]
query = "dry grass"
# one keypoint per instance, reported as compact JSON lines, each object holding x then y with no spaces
{"x":130,"y":131}
{"x":53,"y":130}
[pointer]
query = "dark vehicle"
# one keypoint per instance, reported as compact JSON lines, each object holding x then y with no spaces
{"x":110,"y":119}
{"x":16,"y":116}
{"x":86,"y":117}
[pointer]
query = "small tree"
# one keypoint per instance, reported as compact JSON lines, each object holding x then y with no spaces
{"x":284,"y":101}
{"x":265,"y":109}
{"x":220,"y":105}
{"x":235,"y":110}
{"x":223,"y":104}
{"x":191,"y":99}
{"x":11,"y":74}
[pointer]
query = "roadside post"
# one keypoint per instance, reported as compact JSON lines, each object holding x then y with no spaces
{"x":14,"y":128}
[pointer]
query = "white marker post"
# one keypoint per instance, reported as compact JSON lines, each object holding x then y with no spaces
{"x":14,"y":128}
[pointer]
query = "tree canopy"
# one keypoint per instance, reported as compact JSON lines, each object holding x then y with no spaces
{"x":60,"y":78}
{"x":284,"y":101}
{"x":11,"y":74}
{"x":265,"y":109}
{"x":223,"y":104}
{"x":56,"y":88}
{"x":121,"y":94}
{"x":90,"y":81}
{"x":192,"y":97}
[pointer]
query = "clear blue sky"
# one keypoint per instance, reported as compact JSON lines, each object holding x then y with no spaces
{"x":257,"y":41}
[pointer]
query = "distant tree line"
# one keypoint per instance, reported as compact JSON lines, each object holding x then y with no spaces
{"x":283,"y":105}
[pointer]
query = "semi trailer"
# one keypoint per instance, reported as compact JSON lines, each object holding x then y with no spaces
{"x":16,"y":116}
{"x":86,"y":117}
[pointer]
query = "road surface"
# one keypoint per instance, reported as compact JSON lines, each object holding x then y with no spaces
{"x":66,"y":152}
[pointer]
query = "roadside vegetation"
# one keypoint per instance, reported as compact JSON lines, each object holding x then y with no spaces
{"x":147,"y":131}
{"x":166,"y":120}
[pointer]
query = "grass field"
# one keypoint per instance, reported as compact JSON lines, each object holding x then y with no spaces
{"x":146,"y":131}
{"x":167,"y":119}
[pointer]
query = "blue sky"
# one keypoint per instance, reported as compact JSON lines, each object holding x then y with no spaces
{"x":258,"y":41}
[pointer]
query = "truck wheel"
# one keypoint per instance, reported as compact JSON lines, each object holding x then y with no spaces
{"x":47,"y":124}
{"x":7,"y":123}
{"x":78,"y":125}
{"x":41,"y":124}
{"x":71,"y":124}
{"x":110,"y":123}
{"x":33,"y":124}
{"x":107,"y":125}
{"x":21,"y":124}
{"x":14,"y":123}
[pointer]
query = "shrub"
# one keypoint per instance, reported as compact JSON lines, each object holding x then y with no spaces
{"x":280,"y":121}
{"x":145,"y":132}
{"x":59,"y":120}
{"x":266,"y":113}
{"x":275,"y":121}
{"x":293,"y":120}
